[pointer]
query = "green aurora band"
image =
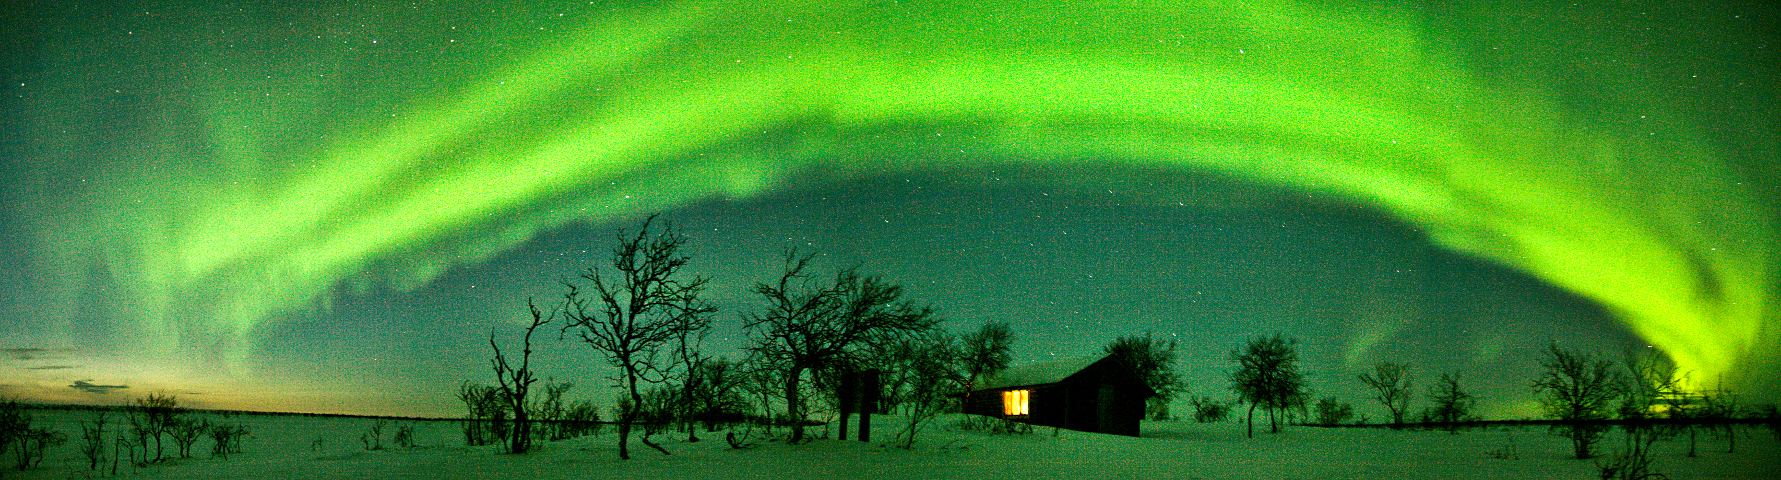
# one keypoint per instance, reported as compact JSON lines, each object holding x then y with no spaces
{"x":270,"y":174}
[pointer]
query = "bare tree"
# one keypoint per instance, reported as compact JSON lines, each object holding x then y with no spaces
{"x":985,"y":352}
{"x":811,"y":327}
{"x":154,"y":416}
{"x":1391,"y":387}
{"x":1719,"y":407}
{"x":1153,"y":360}
{"x":1579,"y":390}
{"x":15,"y":424}
{"x":691,"y":360}
{"x":1268,"y":376}
{"x":630,"y":315}
{"x":762,"y":381}
{"x":929,"y":358}
{"x":186,"y":431}
{"x":484,"y":421}
{"x":549,"y":413}
{"x":1649,"y":380}
{"x":1451,"y":404}
{"x":714,"y":393}
{"x":515,"y":383}
{"x":92,"y":437}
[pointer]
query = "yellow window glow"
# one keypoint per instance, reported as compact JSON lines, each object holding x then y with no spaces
{"x":1014,"y":402}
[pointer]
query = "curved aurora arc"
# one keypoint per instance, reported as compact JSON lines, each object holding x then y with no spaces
{"x":654,"y":109}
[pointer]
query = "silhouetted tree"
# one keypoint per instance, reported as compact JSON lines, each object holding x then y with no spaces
{"x":153,"y":417}
{"x":515,"y":383}
{"x":761,"y":382}
{"x":1718,"y":407}
{"x":1268,"y":376}
{"x":92,"y":436}
{"x":483,"y":406}
{"x":631,"y":314}
{"x":1648,"y":382}
{"x":691,"y":360}
{"x":930,"y":358}
{"x":1153,"y":360}
{"x":1579,"y":390}
{"x":1391,"y":387}
{"x":1450,"y":403}
{"x":226,"y":438}
{"x":581,"y":418}
{"x":714,"y":393}
{"x":15,"y":424}
{"x":808,"y":326}
{"x":185,"y":432}
{"x":548,"y":413}
{"x":984,"y":352}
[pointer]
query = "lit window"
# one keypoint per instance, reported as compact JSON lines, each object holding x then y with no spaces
{"x":1015,"y":402}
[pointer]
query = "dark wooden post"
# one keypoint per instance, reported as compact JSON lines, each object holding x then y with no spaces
{"x":868,"y":390}
{"x":849,"y":397}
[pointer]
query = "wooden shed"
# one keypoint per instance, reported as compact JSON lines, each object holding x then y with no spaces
{"x":1093,"y":394}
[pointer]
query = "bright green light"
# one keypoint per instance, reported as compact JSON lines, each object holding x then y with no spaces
{"x":645,"y":112}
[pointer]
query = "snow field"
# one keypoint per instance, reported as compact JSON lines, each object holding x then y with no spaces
{"x":284,"y":447}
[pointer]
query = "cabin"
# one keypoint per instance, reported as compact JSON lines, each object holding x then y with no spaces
{"x":1094,"y":394}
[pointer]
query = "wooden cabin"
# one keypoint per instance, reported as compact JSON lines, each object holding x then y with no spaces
{"x":1094,"y":394}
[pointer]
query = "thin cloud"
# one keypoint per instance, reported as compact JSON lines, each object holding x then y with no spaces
{"x":25,"y":353}
{"x":89,"y":387}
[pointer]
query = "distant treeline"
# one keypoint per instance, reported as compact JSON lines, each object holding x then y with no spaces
{"x":1760,"y":421}
{"x":121,"y":408}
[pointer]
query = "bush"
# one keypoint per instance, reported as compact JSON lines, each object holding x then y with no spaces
{"x":582,"y":418}
{"x":1207,"y":410}
{"x":1332,"y":412}
{"x":1633,"y":462}
{"x":404,"y":436}
{"x":1771,"y":417}
{"x":992,"y":425}
{"x":227,"y":439}
{"x":373,"y":438}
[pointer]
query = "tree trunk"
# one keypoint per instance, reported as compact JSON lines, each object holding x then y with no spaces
{"x":1250,"y":423}
{"x":1579,"y":446}
{"x":629,"y":417}
{"x":1691,"y":441}
{"x":1273,"y":423}
{"x":522,"y":430}
{"x":794,"y":405}
{"x":1731,"y":436}
{"x":624,"y":435}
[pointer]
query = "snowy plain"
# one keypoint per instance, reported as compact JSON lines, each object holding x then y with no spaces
{"x":288,"y":447}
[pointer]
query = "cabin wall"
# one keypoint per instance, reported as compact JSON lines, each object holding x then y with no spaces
{"x":1101,"y":398}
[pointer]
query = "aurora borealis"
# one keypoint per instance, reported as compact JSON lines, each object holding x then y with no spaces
{"x":218,"y":196}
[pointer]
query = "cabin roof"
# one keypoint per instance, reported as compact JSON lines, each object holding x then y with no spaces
{"x":1038,"y":373}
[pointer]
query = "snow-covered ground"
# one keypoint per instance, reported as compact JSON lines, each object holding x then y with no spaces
{"x":286,"y":447}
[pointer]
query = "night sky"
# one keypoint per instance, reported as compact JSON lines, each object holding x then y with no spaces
{"x":325,"y":206}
